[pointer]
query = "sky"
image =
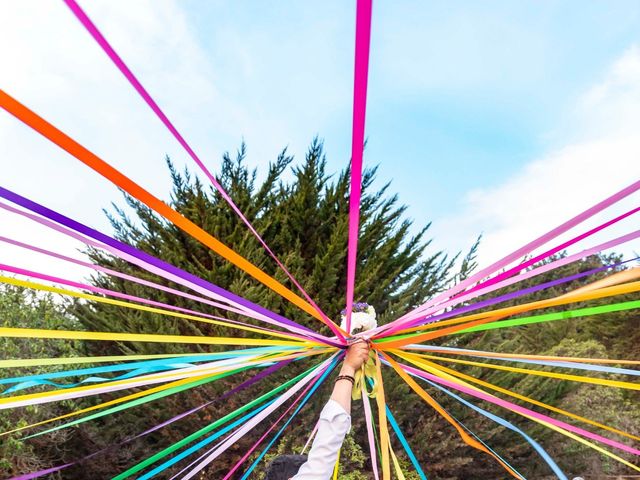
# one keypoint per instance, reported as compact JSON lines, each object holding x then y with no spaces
{"x":498,"y":117}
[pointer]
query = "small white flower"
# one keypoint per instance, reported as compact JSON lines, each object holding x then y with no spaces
{"x":361,"y":321}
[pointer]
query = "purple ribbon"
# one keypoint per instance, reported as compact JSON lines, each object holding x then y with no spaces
{"x":101,"y":237}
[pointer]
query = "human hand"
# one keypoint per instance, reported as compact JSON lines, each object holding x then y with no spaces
{"x":357,"y":355}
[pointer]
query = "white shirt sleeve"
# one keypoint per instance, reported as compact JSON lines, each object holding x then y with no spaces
{"x":333,"y":426}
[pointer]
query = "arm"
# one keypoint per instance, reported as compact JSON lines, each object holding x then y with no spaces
{"x":335,"y":420}
{"x":356,"y":355}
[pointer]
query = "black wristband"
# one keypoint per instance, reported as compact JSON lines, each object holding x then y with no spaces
{"x":346,"y":377}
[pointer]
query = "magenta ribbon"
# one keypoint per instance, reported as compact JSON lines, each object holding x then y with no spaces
{"x":135,"y":83}
{"x":133,"y":298}
{"x":519,"y":253}
{"x":115,"y":273}
{"x":556,"y":249}
{"x":361,"y":72}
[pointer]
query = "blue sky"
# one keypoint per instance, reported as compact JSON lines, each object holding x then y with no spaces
{"x":473,"y":84}
{"x":469,"y":102}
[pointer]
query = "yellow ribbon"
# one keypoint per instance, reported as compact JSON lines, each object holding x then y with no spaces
{"x":368,"y":371}
{"x":132,"y":396}
{"x":425,"y":363}
{"x":540,"y":373}
{"x":396,"y":464}
{"x":38,"y":362}
{"x":436,"y":406}
{"x":385,"y":441}
{"x":141,"y":337}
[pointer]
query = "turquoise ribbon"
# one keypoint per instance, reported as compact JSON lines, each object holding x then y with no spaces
{"x":550,"y":363}
{"x":405,"y":444}
{"x":139,"y":368}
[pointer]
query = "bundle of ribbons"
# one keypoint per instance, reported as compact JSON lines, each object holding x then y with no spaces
{"x":275,"y":342}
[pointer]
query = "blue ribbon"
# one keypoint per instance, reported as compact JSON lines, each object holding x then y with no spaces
{"x":550,"y":363}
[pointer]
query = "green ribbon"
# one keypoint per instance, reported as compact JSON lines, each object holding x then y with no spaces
{"x":203,"y":431}
{"x":547,"y":317}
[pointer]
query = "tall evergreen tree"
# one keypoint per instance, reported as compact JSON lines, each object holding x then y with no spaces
{"x":304,"y":220}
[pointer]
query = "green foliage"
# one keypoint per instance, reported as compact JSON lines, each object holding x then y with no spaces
{"x":20,"y":308}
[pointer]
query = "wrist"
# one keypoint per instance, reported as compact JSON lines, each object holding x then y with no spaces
{"x":347,"y":370}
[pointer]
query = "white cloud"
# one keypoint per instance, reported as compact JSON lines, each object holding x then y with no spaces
{"x":611,"y":106}
{"x":54,"y":67}
{"x":602,"y":158}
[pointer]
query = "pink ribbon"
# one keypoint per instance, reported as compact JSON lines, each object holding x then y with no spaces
{"x":124,"y":69}
{"x":372,"y":443}
{"x":522,"y":410}
{"x":361,"y":72}
{"x":115,"y":273}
